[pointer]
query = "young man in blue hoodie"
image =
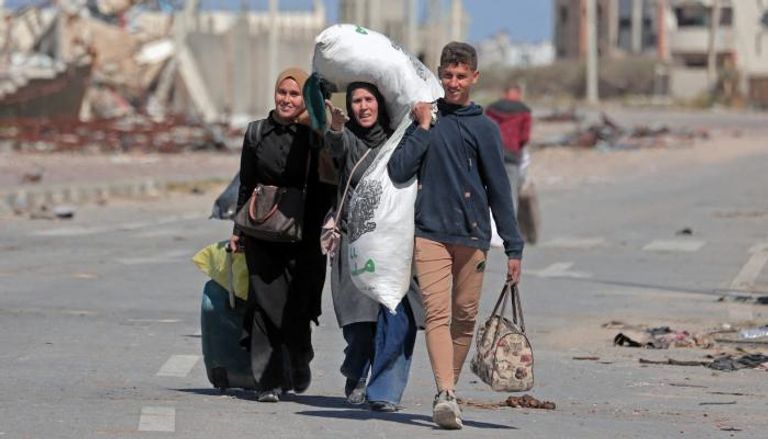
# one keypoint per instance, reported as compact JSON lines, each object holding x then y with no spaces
{"x":458,"y":159}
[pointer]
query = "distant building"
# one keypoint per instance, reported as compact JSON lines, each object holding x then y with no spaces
{"x":677,"y":32}
{"x":740,"y":46}
{"x":623,"y":27}
{"x":501,"y":51}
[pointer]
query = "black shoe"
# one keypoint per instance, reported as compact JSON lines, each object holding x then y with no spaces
{"x":355,"y":391}
{"x":383,"y":406}
{"x":302,"y":377}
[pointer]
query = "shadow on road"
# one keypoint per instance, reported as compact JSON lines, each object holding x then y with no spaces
{"x":399,"y":417}
{"x":342,"y":409}
{"x":326,"y":402}
{"x":235,"y":393}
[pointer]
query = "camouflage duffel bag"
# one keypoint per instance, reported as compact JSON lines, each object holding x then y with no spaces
{"x":504,"y":357}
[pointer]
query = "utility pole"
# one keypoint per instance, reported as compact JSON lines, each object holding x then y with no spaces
{"x":457,"y":21}
{"x":714,"y":24}
{"x":271,"y":54}
{"x":374,"y":16}
{"x":662,"y":48}
{"x":411,"y":32}
{"x":240,"y":65}
{"x":592,"y":77}
{"x":637,"y":26}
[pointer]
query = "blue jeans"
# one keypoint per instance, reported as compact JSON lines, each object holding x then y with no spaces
{"x":384,"y":349}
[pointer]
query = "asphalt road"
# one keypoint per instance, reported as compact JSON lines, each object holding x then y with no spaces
{"x":99,"y":322}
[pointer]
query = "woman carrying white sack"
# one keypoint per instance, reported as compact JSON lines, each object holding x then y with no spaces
{"x":379,"y":343}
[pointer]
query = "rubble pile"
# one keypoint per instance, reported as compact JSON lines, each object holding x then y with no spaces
{"x":134,"y":133}
{"x":97,"y":75}
{"x":726,"y":358}
{"x":608,"y":135}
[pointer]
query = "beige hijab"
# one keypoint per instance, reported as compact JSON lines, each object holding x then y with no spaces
{"x":300,"y":76}
{"x":295,"y":73}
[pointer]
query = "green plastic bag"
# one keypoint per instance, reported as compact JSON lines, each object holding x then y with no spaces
{"x":220,"y":265}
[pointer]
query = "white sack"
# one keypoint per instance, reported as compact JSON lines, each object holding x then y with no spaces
{"x":345,"y":53}
{"x":381,"y":214}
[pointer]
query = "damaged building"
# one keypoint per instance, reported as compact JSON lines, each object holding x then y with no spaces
{"x":701,"y":45}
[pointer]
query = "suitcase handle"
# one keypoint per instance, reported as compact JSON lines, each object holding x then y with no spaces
{"x":230,"y":278}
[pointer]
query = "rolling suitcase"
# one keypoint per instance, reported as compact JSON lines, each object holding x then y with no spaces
{"x":227,"y":363}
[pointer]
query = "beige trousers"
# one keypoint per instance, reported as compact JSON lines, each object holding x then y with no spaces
{"x":450,"y":278}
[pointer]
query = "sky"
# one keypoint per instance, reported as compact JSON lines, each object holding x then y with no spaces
{"x":524,"y":20}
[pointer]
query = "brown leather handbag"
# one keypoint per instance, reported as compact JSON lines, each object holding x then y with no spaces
{"x":274,"y":213}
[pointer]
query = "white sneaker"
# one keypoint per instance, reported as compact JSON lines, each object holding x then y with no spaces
{"x":269,"y":396}
{"x":446,"y":412}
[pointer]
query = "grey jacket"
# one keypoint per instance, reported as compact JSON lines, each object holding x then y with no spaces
{"x":351,"y":305}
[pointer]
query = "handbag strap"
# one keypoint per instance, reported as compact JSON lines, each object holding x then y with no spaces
{"x":252,"y":207}
{"x":343,"y":198}
{"x":510,"y":293}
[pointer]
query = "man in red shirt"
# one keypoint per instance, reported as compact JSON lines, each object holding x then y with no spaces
{"x":514,"y":120}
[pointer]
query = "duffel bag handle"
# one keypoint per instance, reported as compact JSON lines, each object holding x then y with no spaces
{"x":511,"y":292}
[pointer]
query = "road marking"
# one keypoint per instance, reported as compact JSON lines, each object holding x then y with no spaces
{"x":745,"y":280}
{"x":178,"y":366}
{"x":674,"y":246}
{"x":158,"y":419}
{"x":559,"y":269}
{"x":83,"y":230}
{"x":575,"y":243}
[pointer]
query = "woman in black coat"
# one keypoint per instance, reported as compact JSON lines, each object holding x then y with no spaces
{"x":286,"y":279}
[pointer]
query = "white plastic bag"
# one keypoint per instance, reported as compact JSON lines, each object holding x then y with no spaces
{"x":381,"y":214}
{"x":496,"y":240}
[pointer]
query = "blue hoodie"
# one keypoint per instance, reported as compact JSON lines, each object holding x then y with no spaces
{"x":460,"y":167}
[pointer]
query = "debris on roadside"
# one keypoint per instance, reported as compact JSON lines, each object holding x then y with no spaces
{"x":673,"y":362}
{"x":608,"y":135}
{"x":746,"y":299}
{"x":662,"y":337}
{"x":723,"y":363}
{"x":64,"y":212}
{"x":44,"y":212}
{"x":525,"y":401}
{"x":729,"y":363}
{"x":558,"y":115}
{"x":32,"y":177}
{"x":753,"y":333}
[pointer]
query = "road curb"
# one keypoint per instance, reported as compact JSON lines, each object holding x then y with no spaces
{"x":31,"y":198}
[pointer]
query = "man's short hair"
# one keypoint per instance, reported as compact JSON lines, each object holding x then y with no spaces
{"x":457,"y":52}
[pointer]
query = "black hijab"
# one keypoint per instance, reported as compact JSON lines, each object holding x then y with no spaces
{"x":379,"y":131}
